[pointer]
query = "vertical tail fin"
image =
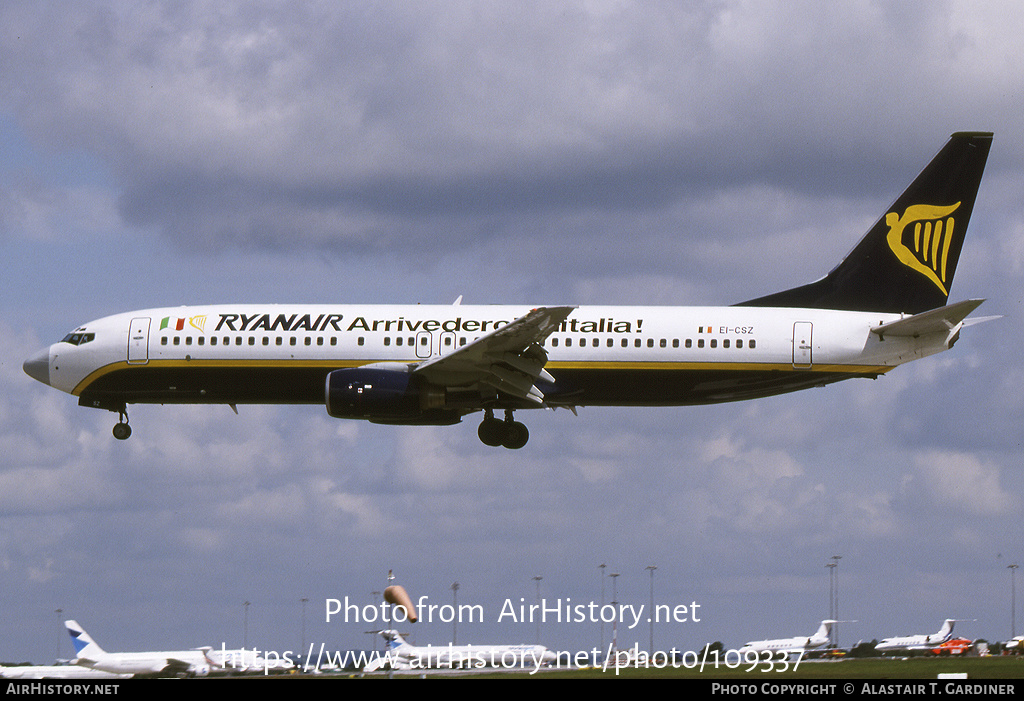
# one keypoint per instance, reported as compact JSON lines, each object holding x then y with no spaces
{"x":85,"y":647}
{"x":906,"y":261}
{"x":394,"y":640}
{"x":946,"y":630}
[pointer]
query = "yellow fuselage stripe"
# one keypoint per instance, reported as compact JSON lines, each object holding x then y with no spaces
{"x":334,"y":364}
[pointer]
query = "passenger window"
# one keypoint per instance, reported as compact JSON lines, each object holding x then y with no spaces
{"x":714,"y":343}
{"x":751,"y":344}
{"x":725,"y":343}
{"x":650,"y":343}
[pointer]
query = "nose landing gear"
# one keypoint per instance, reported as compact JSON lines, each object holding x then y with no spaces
{"x":509,"y":433}
{"x":121,"y":429}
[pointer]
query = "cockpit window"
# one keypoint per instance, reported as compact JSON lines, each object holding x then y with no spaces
{"x":77,"y":339}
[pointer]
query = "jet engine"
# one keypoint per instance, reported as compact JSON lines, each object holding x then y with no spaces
{"x":387,"y":393}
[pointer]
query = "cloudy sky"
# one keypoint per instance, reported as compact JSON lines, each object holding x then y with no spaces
{"x":158,"y":154}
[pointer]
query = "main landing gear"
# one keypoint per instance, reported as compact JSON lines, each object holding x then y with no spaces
{"x":121,"y":429}
{"x":509,"y":433}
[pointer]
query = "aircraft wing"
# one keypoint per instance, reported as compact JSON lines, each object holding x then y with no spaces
{"x":932,"y":321}
{"x":509,"y":359}
{"x":176,"y":666}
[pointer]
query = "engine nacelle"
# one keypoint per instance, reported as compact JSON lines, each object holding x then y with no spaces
{"x":386,"y":395}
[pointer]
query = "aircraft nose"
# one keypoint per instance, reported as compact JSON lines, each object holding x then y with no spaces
{"x":38,"y":366}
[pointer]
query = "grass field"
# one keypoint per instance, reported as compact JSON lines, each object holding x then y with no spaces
{"x":871,"y":668}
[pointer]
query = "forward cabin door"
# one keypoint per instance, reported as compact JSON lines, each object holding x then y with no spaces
{"x":802,"y":344}
{"x":138,"y":341}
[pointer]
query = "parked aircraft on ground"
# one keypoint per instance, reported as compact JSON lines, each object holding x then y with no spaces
{"x":402,"y":655}
{"x":65,"y":671}
{"x":882,"y":306}
{"x":919,"y":642}
{"x":792,"y":645}
{"x":162,"y":663}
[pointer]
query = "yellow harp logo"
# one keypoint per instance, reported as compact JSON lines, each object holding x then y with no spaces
{"x":923,"y":247}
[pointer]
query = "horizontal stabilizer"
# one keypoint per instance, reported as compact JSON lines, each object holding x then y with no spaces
{"x":942,"y":319}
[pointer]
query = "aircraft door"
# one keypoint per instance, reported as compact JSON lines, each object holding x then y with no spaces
{"x":138,"y":341}
{"x":445,"y":343}
{"x":802,"y":344}
{"x":424,"y":344}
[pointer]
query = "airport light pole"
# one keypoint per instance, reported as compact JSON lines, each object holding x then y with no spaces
{"x":615,"y":603}
{"x":831,"y":596}
{"x":651,"y":568}
{"x":455,"y":616}
{"x":304,"y":601}
{"x":61,"y":633}
{"x":375,"y":596}
{"x":537,"y":580}
{"x":1013,"y":599}
{"x":835,"y":626}
{"x":602,"y":567}
{"x":245,"y":625}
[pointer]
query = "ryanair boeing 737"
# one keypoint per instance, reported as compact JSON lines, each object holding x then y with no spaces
{"x":884,"y":305}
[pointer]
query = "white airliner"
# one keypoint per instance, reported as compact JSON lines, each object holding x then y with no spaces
{"x":792,"y":645}
{"x":402,"y":655}
{"x":884,"y":305}
{"x":919,"y":642}
{"x":194,"y":662}
{"x":65,"y":671}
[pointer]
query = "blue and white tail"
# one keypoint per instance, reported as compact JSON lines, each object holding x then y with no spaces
{"x":395,"y":642}
{"x":85,"y":647}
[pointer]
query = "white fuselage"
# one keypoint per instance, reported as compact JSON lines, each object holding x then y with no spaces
{"x":618,"y":342}
{"x":182,"y":661}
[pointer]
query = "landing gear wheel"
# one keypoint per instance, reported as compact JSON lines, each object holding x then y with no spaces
{"x":491,"y":431}
{"x":121,"y":429}
{"x":516,"y":435}
{"x":509,"y":433}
